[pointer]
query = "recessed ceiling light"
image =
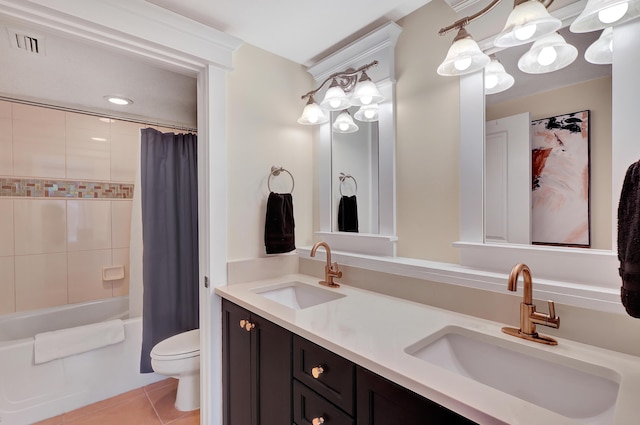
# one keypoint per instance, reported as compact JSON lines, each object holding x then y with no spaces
{"x":118,"y":100}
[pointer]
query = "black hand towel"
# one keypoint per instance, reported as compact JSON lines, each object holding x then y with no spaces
{"x":348,"y":214}
{"x":279,"y":226}
{"x":629,"y":240}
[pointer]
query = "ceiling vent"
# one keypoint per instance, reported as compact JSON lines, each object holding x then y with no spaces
{"x":28,"y":42}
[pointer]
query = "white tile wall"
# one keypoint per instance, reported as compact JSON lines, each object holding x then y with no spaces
{"x":6,"y":227}
{"x":40,"y":281}
{"x":121,"y":223}
{"x":38,"y":142}
{"x":88,"y":148}
{"x":52,"y":250}
{"x":39,"y":226}
{"x":85,"y":275}
{"x":7,"y":287}
{"x":6,"y":140}
{"x":88,"y":224}
{"x":120,"y":256}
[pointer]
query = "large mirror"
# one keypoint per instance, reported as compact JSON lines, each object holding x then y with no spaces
{"x":367,"y":156}
{"x":354,"y":186}
{"x":579,"y":86}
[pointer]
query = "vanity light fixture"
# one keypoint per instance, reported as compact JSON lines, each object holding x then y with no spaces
{"x":344,"y":123}
{"x":118,"y":100}
{"x":347,"y":88}
{"x":529,"y":20}
{"x":464,"y":56}
{"x":600,"y":52}
{"x":599,"y":14}
{"x":496,"y":78}
{"x":548,"y":54}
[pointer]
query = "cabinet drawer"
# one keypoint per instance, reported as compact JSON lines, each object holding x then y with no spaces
{"x":335,"y":374}
{"x":308,"y":406}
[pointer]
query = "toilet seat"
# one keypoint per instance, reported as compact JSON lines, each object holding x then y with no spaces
{"x":181,"y":346}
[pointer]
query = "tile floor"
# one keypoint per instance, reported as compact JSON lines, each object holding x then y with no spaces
{"x":150,"y":405}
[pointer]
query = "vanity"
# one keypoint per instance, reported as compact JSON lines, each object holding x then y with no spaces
{"x":300,"y":353}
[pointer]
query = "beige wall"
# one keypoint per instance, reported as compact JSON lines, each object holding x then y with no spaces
{"x":594,"y":95}
{"x":427,"y":164}
{"x":263,"y":104}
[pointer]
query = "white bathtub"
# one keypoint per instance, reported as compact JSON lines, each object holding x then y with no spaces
{"x":29,"y":392}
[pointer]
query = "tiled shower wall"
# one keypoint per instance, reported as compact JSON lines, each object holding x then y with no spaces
{"x":66,"y":183}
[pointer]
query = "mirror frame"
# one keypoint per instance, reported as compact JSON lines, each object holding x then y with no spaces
{"x":377,"y":45}
{"x":591,"y":267}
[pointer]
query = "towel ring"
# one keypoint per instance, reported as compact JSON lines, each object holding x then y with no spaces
{"x":343,"y":177}
{"x":275,"y":171}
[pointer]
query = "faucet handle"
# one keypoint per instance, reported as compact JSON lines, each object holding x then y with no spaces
{"x":335,"y":270}
{"x":552,"y":309}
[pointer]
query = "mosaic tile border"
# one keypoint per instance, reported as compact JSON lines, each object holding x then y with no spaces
{"x":47,"y":188}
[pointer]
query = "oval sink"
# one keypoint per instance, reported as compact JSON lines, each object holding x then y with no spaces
{"x":297,"y":295}
{"x":572,"y":388}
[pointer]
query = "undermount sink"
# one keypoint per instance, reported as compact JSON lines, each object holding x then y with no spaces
{"x":575,"y":389}
{"x":297,"y":295}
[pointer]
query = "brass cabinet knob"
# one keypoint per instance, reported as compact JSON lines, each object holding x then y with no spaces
{"x":317,"y":421}
{"x":316,"y":372}
{"x":247,"y":325}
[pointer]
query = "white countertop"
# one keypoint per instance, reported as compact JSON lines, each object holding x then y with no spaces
{"x":373,"y":330}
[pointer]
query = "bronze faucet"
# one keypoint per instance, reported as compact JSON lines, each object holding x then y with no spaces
{"x":529,"y":317}
{"x":330,"y":270}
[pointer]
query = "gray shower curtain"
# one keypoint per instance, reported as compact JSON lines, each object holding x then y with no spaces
{"x":169,"y":186}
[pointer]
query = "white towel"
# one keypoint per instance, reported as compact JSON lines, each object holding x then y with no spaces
{"x":66,"y":342}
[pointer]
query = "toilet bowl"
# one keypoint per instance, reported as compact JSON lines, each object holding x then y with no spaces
{"x":179,"y":357}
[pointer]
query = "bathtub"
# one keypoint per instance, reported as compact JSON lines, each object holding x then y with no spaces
{"x":30,"y":393}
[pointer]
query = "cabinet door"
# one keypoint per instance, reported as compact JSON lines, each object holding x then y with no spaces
{"x":236,"y":366}
{"x":381,"y":402}
{"x":273,"y":367}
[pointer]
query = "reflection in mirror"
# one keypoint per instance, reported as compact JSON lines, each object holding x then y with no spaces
{"x":579,"y":86}
{"x":355,"y":198}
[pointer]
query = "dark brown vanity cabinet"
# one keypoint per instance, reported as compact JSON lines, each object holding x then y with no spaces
{"x":382,"y":402}
{"x":256,"y":369}
{"x":273,"y":377}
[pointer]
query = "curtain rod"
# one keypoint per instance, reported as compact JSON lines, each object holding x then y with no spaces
{"x":97,"y":114}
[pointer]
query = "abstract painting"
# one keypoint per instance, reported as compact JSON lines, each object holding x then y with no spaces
{"x":560,"y":186}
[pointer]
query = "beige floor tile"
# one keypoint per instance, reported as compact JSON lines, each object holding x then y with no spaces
{"x":165,"y":382}
{"x":191,"y":418}
{"x":136,"y":411}
{"x":102,"y":405}
{"x":163,"y":400}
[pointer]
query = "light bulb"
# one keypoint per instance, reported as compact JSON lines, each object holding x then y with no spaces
{"x":343,"y":126}
{"x":526,"y":32}
{"x":365,"y":100}
{"x":462,"y":64}
{"x":490,"y":81}
{"x":369,"y":113}
{"x":613,"y":13}
{"x":313,"y":119}
{"x":547,"y":56}
{"x":335,"y":103}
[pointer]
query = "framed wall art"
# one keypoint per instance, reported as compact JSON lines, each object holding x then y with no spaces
{"x":561,"y":180}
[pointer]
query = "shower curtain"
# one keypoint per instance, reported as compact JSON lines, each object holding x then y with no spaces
{"x":169,"y":186}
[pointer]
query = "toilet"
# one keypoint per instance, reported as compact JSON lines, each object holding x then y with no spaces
{"x":179,"y":357}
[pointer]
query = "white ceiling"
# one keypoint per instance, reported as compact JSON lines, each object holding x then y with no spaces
{"x":300,"y":30}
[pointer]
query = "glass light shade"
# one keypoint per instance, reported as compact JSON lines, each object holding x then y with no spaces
{"x":344,"y":123}
{"x":528,"y":21}
{"x":366,"y":92}
{"x":368,"y":113}
{"x":464,"y":56}
{"x":312,"y":114}
{"x":335,"y":98}
{"x":599,"y":14}
{"x":496,"y":79}
{"x":601,"y":51}
{"x":548,"y":54}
